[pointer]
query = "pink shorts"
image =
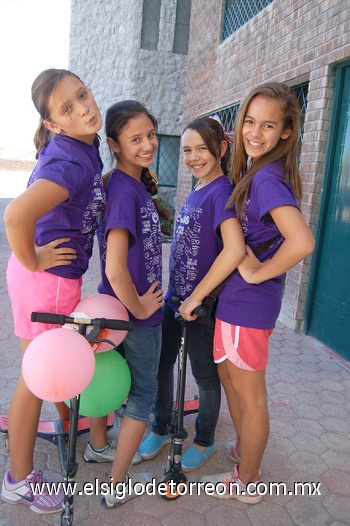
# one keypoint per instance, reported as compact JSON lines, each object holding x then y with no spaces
{"x":38,"y":292}
{"x":245,"y":347}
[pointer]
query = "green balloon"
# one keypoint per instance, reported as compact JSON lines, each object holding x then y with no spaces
{"x":109,"y":386}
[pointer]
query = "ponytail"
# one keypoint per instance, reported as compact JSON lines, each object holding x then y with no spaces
{"x":41,"y":138}
{"x":151,"y":186}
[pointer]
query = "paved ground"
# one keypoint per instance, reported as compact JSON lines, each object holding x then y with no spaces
{"x":309,"y":395}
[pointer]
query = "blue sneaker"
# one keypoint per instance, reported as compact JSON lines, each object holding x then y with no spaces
{"x":153,"y":445}
{"x":194,"y":458}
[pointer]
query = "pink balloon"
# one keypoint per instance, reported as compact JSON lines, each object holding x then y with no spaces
{"x":58,"y":364}
{"x":105,"y":306}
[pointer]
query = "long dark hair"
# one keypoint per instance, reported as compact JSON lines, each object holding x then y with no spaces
{"x":285,"y":150}
{"x":117,"y":117}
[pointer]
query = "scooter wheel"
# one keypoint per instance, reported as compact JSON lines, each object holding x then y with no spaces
{"x":175,"y":486}
{"x":67,"y":516}
{"x":67,"y":521}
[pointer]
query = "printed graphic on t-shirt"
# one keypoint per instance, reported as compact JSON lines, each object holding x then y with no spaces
{"x":151,"y":235}
{"x":187,"y":240}
{"x":93,"y":208}
{"x":244,"y":218}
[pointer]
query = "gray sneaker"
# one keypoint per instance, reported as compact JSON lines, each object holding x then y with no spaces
{"x":90,"y":455}
{"x":134,"y":486}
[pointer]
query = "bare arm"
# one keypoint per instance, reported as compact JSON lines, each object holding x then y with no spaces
{"x":142,"y":307}
{"x":20,"y":219}
{"x":298,"y":244}
{"x":227,"y":260}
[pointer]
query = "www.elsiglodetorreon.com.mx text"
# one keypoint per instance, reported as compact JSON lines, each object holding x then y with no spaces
{"x":171,"y":488}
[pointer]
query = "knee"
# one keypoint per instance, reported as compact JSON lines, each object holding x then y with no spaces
{"x":252,"y":402}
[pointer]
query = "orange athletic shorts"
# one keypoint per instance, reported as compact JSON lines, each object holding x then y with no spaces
{"x":245,"y":347}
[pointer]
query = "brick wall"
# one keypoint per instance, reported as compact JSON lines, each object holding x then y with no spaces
{"x":289,"y":41}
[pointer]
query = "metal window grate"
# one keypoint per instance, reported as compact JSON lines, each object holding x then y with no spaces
{"x":150,"y":24}
{"x":167,"y":160}
{"x":238,"y":12}
{"x":301,"y":92}
{"x":182,"y":26}
{"x":227,"y":116}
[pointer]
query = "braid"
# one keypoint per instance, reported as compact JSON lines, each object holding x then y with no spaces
{"x":149,"y":182}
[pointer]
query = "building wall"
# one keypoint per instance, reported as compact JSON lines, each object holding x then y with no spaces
{"x":291,"y":41}
{"x":105,"y":39}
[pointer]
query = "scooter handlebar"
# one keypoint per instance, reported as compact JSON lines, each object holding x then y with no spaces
{"x":201,"y":310}
{"x":62,"y":319}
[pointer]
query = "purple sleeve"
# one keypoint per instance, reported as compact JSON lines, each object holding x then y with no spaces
{"x":120,"y":212}
{"x":64,"y":173}
{"x":221,"y":213}
{"x":271,"y":191}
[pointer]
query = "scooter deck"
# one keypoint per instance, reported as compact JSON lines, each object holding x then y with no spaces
{"x":190,"y":406}
{"x":49,"y":427}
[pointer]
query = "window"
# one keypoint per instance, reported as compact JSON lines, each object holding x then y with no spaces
{"x":150,"y":24}
{"x":238,"y":12}
{"x":301,"y":92}
{"x":182,"y":26}
{"x":167,"y":160}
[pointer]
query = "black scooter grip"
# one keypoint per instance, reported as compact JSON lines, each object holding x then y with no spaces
{"x":201,"y":310}
{"x":118,"y":325}
{"x":46,"y":317}
{"x":176,"y":300}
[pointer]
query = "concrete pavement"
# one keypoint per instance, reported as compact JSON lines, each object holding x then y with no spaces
{"x":309,"y":401}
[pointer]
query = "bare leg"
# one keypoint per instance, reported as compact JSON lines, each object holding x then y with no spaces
{"x":130,"y":436}
{"x":23,"y":418}
{"x":63,"y":410}
{"x":250,"y":389}
{"x":232,"y":401}
{"x":98,"y":432}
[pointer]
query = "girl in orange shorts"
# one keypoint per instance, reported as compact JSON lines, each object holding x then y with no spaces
{"x":266,"y":196}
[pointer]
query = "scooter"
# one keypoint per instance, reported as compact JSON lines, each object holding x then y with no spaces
{"x":60,"y":432}
{"x":174,"y":477}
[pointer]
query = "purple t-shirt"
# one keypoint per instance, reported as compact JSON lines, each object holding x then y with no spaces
{"x":77,"y":166}
{"x":130,"y":206}
{"x":258,"y":306}
{"x":197,"y":240}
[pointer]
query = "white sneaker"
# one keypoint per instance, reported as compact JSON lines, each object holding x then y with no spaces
{"x":134,"y":486}
{"x":90,"y":455}
{"x":215,"y":479}
{"x":219,"y":477}
{"x":32,"y":492}
{"x":234,"y":488}
{"x":230,"y":486}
